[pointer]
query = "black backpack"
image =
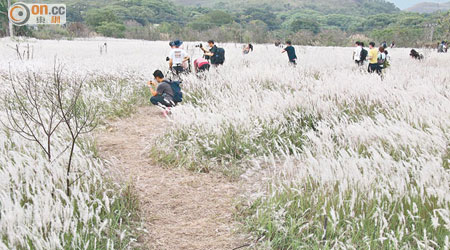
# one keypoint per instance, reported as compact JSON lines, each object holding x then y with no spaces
{"x":219,"y":56}
{"x":364,"y":55}
{"x":177,"y":93}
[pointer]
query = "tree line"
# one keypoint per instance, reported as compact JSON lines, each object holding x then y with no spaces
{"x":312,"y":23}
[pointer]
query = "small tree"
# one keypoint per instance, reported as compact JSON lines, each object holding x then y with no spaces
{"x":38,"y":107}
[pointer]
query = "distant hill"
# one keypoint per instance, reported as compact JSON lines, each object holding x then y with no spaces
{"x":428,"y":7}
{"x":322,"y":6}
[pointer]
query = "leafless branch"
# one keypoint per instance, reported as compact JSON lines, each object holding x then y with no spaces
{"x":36,"y":108}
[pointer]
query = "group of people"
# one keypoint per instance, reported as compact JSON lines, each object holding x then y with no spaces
{"x":442,"y":47}
{"x":167,"y":93}
{"x":180,"y":61}
{"x":164,"y":91}
{"x":377,"y":57}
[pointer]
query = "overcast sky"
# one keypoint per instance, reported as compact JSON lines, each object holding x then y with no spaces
{"x":403,"y":4}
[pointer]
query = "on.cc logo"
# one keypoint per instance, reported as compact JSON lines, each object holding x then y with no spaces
{"x":19,"y":14}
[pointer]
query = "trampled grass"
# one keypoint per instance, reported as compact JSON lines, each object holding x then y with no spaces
{"x":35,"y":210}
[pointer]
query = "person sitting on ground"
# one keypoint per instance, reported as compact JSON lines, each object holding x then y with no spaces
{"x":291,"y":53}
{"x":373,"y":59}
{"x":163,"y":95}
{"x":177,"y":58}
{"x":201,"y":65}
{"x":247,"y":49}
{"x":357,"y":53}
{"x":415,"y":55}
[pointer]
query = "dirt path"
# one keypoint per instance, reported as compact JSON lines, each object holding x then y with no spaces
{"x":182,"y":209}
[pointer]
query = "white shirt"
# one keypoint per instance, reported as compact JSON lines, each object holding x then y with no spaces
{"x":357,"y":53}
{"x":177,"y":55}
{"x":381,"y":56}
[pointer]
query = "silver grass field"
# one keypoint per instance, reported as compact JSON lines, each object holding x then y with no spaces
{"x":330,"y":157}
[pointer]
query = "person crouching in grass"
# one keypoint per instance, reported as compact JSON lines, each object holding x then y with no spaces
{"x":163,"y":95}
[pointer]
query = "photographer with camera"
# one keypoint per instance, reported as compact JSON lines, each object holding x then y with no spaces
{"x":161,"y":90}
{"x":165,"y":93}
{"x":216,"y":55}
{"x":178,"y":58}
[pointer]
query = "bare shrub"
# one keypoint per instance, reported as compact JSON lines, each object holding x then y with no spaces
{"x":38,"y":106}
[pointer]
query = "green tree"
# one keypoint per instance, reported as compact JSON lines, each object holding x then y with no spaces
{"x":264,"y":15}
{"x":444,"y":23}
{"x":344,"y":22}
{"x":3,"y":16}
{"x":305,"y":23}
{"x":219,"y":18}
{"x":111,"y":29}
{"x":97,"y":17}
{"x":212,"y":19}
{"x":105,"y":22}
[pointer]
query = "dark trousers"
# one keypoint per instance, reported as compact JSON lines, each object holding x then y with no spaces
{"x":177,"y":69}
{"x":374,"y":67}
{"x":203,"y":68}
{"x":159,"y":100}
{"x":359,"y":63}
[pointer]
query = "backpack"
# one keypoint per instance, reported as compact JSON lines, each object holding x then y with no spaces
{"x":364,"y":55}
{"x":219,"y":56}
{"x":177,"y":94}
{"x":381,"y":61}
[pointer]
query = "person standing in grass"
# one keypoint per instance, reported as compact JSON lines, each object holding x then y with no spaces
{"x":247,"y":49}
{"x":382,"y":60}
{"x":392,"y":44}
{"x":215,"y":54}
{"x":373,"y":59}
{"x":357,"y":54}
{"x":291,"y":53}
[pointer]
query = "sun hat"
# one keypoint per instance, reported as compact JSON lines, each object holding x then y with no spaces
{"x":177,"y":43}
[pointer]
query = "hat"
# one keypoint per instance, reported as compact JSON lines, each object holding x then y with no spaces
{"x":177,"y":43}
{"x":171,"y":44}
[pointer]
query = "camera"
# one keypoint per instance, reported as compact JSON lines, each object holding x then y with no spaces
{"x":199,"y":46}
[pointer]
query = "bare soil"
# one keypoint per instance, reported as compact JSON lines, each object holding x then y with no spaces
{"x":181,"y":209}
